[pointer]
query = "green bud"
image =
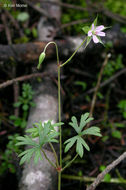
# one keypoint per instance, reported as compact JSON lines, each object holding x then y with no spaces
{"x":41,"y":59}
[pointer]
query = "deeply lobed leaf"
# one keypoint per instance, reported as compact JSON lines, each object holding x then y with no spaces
{"x":78,"y":139}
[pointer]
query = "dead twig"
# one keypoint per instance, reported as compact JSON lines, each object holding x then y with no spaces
{"x":106,"y":82}
{"x":72,"y":23}
{"x":80,"y":72}
{"x":101,"y":176}
{"x":98,"y":85}
{"x":7,"y":30}
{"x":22,"y":78}
{"x":16,"y":90}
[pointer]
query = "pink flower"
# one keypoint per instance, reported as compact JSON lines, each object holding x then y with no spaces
{"x":95,"y":32}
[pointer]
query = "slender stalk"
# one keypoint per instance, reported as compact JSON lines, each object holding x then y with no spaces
{"x":60,"y":129}
{"x":55,"y":155}
{"x":59,"y":107}
{"x":69,"y":163}
{"x":52,"y":164}
{"x":59,"y":113}
{"x":75,"y":52}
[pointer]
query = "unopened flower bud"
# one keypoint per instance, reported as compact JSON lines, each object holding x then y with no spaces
{"x":41,"y":59}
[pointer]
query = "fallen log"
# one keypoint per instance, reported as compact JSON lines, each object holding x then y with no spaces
{"x":26,"y":53}
{"x":29,"y":52}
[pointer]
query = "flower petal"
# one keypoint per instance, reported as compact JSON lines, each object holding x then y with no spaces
{"x":95,"y":39}
{"x":100,"y":33}
{"x":99,"y":28}
{"x":89,"y":33}
{"x":92,"y":27}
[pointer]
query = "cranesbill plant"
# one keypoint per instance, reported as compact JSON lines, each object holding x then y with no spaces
{"x":47,"y":133}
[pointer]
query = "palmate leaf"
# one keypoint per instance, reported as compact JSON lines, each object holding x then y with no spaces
{"x":78,"y":139}
{"x":45,"y":132}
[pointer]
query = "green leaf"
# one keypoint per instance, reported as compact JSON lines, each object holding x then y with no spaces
{"x":18,"y":122}
{"x":23,"y":16}
{"x":57,"y":124}
{"x":82,"y":141}
{"x":70,"y":142}
{"x":82,"y":120}
{"x":25,"y":107}
{"x":95,"y":21}
{"x":107,"y":178}
{"x":41,"y":59}
{"x":12,"y":117}
{"x":74,"y":124}
{"x":28,"y":151}
{"x":92,"y":131}
{"x":40,"y":130}
{"x":86,"y":29}
{"x":23,"y":159}
{"x":37,"y":156}
{"x":27,"y":155}
{"x":82,"y":84}
{"x":26,"y":140}
{"x":116,"y":134}
{"x":88,"y":40}
{"x":17,"y":104}
{"x":121,"y":125}
{"x":79,"y":148}
{"x":100,"y":40}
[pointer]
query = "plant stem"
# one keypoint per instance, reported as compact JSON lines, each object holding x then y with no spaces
{"x":52,"y":164}
{"x":60,"y":129}
{"x":91,"y":179}
{"x":59,"y":112}
{"x":59,"y":180}
{"x":75,"y":51}
{"x":59,"y":107}
{"x":55,"y":155}
{"x":69,"y":163}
